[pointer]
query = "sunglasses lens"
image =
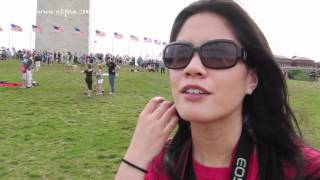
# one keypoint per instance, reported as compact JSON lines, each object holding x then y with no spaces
{"x":219,"y":55}
{"x":177,"y":55}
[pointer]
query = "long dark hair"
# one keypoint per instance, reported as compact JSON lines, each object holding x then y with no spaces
{"x":271,"y":119}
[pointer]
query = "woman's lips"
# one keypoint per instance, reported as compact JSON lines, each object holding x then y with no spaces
{"x":194,"y":92}
{"x":194,"y":97}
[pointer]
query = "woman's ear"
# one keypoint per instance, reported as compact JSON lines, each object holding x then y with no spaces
{"x":252,"y":81}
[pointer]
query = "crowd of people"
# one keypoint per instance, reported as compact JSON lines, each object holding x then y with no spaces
{"x":32,"y":61}
{"x":47,"y":57}
{"x":92,"y":65}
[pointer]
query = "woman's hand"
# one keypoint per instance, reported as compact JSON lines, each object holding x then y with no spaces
{"x":156,"y":122}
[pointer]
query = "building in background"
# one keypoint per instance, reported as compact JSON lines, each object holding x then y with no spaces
{"x":65,"y":26}
{"x":301,"y":63}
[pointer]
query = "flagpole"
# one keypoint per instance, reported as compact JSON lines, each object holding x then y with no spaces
{"x":128,"y":47}
{"x":30,"y":39}
{"x":112,"y":44}
{"x":9,"y":37}
{"x":152,"y":47}
{"x":141,"y":45}
{"x":94,"y":46}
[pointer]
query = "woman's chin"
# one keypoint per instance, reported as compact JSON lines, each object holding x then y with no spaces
{"x":193,"y":117}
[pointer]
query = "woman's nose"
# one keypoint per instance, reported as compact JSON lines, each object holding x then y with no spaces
{"x":195,"y":66}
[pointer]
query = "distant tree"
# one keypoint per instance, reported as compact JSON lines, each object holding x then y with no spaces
{"x":298,"y":74}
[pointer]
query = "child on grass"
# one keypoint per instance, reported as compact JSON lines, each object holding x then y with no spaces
{"x":99,"y":76}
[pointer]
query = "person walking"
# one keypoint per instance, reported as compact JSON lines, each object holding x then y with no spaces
{"x":112,"y":67}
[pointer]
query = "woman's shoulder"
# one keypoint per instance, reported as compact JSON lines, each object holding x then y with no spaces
{"x":311,"y":157}
{"x":310,"y":151}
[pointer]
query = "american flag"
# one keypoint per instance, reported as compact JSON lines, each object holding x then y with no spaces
{"x":118,"y":35}
{"x":147,"y":40}
{"x":134,"y":38}
{"x":16,"y":28}
{"x":100,"y":33}
{"x":157,"y":42}
{"x":58,"y":28}
{"x":78,"y":31}
{"x":37,"y":28}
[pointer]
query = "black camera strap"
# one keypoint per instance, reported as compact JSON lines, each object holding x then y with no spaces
{"x":240,"y":164}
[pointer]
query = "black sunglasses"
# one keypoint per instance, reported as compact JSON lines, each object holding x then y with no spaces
{"x":214,"y":54}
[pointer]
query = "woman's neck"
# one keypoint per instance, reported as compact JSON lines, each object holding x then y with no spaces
{"x":213,"y":143}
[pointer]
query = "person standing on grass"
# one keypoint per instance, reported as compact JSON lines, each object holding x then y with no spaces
{"x":89,"y":73}
{"x":230,"y":103}
{"x":99,"y":75}
{"x":29,"y":70}
{"x":37,"y":60}
{"x":59,"y":57}
{"x":162,"y":67}
{"x":24,"y":72}
{"x":112,"y":68}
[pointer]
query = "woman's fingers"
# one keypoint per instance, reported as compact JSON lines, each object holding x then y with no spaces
{"x":152,"y":105}
{"x":162,"y":109}
{"x":171,"y":124}
{"x":167,"y":115}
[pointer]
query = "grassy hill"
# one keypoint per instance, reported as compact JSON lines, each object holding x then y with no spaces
{"x":54,"y":132}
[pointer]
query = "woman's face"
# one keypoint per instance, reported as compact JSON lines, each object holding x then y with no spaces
{"x":222,"y":90}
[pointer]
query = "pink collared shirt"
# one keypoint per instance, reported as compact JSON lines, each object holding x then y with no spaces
{"x":156,"y":170}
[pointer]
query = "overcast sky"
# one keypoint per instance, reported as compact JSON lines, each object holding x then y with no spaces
{"x":291,"y":26}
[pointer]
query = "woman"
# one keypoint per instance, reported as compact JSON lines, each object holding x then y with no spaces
{"x":89,"y":73}
{"x":230,"y":101}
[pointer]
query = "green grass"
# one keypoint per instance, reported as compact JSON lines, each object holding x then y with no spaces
{"x":305,"y":101}
{"x":54,"y":132}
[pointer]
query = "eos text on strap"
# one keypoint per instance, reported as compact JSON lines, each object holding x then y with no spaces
{"x":240,"y":165}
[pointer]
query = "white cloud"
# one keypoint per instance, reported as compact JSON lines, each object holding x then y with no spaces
{"x":290,"y":26}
